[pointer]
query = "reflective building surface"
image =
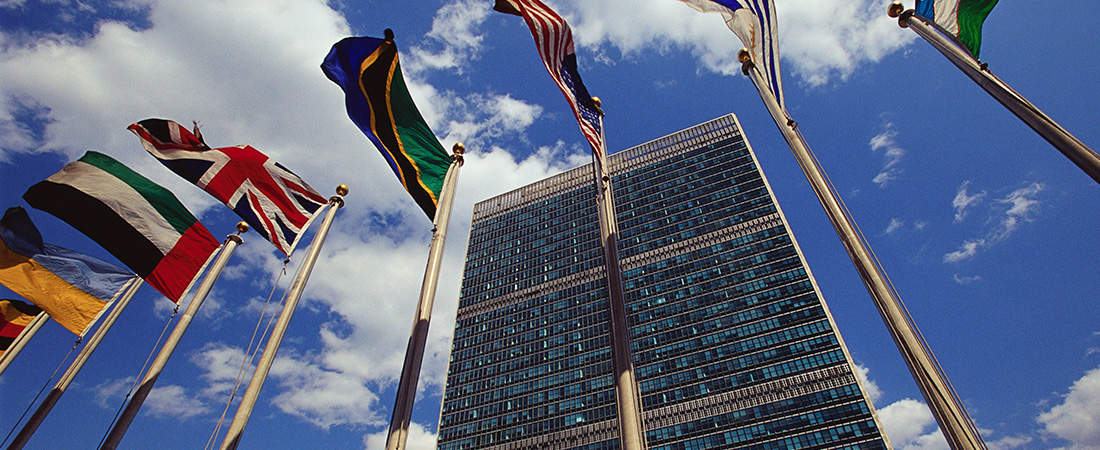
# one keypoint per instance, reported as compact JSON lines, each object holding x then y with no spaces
{"x":733,"y":346}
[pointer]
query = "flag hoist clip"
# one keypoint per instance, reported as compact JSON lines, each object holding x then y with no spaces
{"x":745,"y":58}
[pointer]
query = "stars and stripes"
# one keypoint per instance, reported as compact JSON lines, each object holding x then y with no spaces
{"x":273,"y":200}
{"x":554,"y":40}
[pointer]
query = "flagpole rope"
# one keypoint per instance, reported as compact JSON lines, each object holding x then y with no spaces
{"x":897,"y":296}
{"x":250,"y":353}
{"x":43,"y":389}
{"x":141,"y":374}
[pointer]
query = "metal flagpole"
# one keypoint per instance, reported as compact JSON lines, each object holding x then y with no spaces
{"x":950,"y":414}
{"x":48,"y":403}
{"x":1081,"y":155}
{"x":21,"y":340}
{"x":248,"y":401}
{"x":631,"y":425}
{"x":130,"y":412}
{"x":414,"y":353}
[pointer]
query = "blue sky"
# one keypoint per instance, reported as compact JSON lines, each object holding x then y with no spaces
{"x":988,"y":233}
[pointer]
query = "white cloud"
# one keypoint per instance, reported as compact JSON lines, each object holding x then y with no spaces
{"x":869,"y":386}
{"x":966,"y":251}
{"x":964,"y":280}
{"x":1006,"y":215}
{"x":175,"y":402}
{"x":895,"y":225}
{"x":420,"y":438}
{"x":964,"y":201}
{"x":455,"y":29}
{"x":834,"y":38}
{"x":910,"y":426}
{"x":1077,"y":418}
{"x":323,"y":397}
{"x":893,"y":153}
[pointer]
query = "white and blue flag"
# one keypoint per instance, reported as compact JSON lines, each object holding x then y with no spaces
{"x":754,"y":22}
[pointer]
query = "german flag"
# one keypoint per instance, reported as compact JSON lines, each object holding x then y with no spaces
{"x":378,"y":101}
{"x":14,"y":317}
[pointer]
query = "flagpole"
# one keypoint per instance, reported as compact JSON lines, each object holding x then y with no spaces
{"x":955,"y":423}
{"x":248,"y":401}
{"x":631,"y":425}
{"x":130,"y":412}
{"x":418,"y":338}
{"x":1081,"y":155}
{"x":21,"y":340}
{"x":67,"y":379}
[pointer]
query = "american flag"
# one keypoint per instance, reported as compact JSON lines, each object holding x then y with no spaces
{"x":273,"y":200}
{"x":554,"y":40}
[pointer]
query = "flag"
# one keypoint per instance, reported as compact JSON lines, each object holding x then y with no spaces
{"x":378,"y":101}
{"x":273,"y":200}
{"x":753,"y":21}
{"x":961,"y":19}
{"x":138,"y":221}
{"x":554,"y":40}
{"x":14,"y":317}
{"x":71,"y":287}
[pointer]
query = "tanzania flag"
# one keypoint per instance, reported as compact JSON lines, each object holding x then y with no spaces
{"x":379,"y":103}
{"x":961,"y":19}
{"x":71,"y":287}
{"x":14,"y":317}
{"x":138,"y":221}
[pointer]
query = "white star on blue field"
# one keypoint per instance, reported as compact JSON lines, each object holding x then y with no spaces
{"x":989,"y":234}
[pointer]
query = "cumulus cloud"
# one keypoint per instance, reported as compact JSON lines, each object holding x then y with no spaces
{"x":455,"y":33}
{"x":169,"y":401}
{"x":869,"y":386}
{"x":420,"y":438}
{"x":892,"y":153}
{"x":834,"y":39}
{"x":1077,"y":418}
{"x":910,"y":425}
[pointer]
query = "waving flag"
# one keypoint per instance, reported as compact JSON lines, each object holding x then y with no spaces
{"x":754,"y":22}
{"x":71,"y":287}
{"x":138,"y":221}
{"x":554,"y":40}
{"x":277,"y":203}
{"x":378,"y":102}
{"x":961,"y":19}
{"x":14,"y":317}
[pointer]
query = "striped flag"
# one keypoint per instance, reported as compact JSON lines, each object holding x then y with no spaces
{"x":961,"y":19}
{"x":554,"y":40}
{"x":378,"y":101}
{"x":72,"y":288}
{"x":138,"y":221}
{"x":14,"y":317}
{"x":753,"y":21}
{"x":277,"y":203}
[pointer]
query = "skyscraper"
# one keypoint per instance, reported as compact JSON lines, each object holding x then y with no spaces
{"x":733,"y":346}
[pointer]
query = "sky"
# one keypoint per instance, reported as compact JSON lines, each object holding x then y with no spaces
{"x":987,"y":232}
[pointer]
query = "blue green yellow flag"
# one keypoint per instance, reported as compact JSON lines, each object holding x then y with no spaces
{"x":378,"y":101}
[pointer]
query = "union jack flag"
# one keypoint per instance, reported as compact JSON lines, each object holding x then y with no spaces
{"x":554,"y":40}
{"x":273,"y":200}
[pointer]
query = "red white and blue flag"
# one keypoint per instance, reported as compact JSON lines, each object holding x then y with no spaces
{"x":554,"y":40}
{"x":277,"y":203}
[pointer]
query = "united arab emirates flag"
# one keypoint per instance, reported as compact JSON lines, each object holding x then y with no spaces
{"x":138,"y":221}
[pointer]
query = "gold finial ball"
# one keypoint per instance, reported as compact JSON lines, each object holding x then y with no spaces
{"x":895,"y":9}
{"x":242,"y":227}
{"x":458,"y":148}
{"x":596,"y":101}
{"x":743,"y":55}
{"x":342,"y":190}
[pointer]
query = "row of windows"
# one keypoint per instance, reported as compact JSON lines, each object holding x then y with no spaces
{"x":495,"y":415}
{"x":732,"y":439}
{"x":722,"y":384}
{"x":540,"y":304}
{"x":815,"y":400}
{"x":536,"y":341}
{"x":516,"y":389}
{"x":737,"y":365}
{"x":730,"y":349}
{"x":702,"y":226}
{"x":522,"y":431}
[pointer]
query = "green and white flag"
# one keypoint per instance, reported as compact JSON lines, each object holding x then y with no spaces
{"x":138,"y":221}
{"x":962,"y":19}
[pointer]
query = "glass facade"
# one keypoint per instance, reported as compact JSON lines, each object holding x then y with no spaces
{"x":733,"y":346}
